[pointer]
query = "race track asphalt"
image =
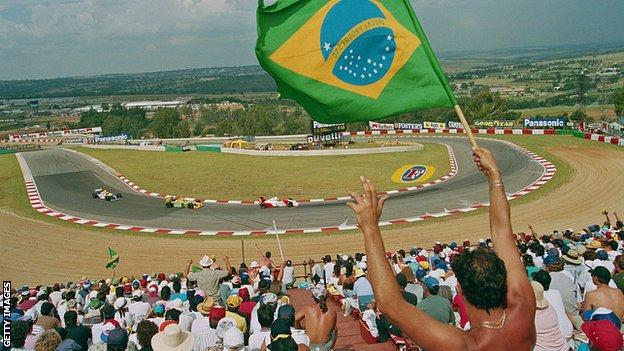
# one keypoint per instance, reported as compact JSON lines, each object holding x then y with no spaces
{"x":66,"y":180}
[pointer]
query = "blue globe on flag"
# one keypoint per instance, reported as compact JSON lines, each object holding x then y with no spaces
{"x":367,"y":50}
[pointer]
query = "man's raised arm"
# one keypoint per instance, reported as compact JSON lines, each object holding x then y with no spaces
{"x":500,"y":224}
{"x":436,"y":335}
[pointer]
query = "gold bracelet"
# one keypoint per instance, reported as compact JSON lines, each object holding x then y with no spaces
{"x":496,"y":184}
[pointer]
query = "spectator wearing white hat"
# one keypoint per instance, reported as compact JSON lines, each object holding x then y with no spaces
{"x":173,"y":339}
{"x":121,"y":315}
{"x":208,"y":278}
{"x":233,"y":340}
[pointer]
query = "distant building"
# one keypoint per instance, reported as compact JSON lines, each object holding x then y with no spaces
{"x":232,"y":106}
{"x":153,"y":105}
{"x":508,"y":91}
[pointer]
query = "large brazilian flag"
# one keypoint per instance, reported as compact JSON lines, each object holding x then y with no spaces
{"x":350,"y":60}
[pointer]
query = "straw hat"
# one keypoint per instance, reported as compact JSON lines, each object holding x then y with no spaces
{"x":594,"y":244}
{"x":206,"y":262}
{"x":204,"y":307}
{"x":540,"y":300}
{"x":572,"y":257}
{"x":173,"y":339}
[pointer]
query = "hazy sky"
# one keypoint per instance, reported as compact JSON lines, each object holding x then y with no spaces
{"x":56,"y":38}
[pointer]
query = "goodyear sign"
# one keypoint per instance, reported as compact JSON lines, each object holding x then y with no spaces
{"x":545,"y":122}
{"x":413,"y":174}
{"x":494,"y":124}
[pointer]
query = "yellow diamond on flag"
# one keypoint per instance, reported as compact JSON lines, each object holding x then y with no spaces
{"x":357,"y":46}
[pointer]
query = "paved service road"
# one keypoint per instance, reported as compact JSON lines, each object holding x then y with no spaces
{"x":66,"y":180}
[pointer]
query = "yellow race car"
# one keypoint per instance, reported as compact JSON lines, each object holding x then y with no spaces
{"x":182,"y":202}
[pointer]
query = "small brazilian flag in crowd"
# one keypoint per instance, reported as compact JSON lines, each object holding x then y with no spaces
{"x":113,"y":261}
{"x":350,"y":60}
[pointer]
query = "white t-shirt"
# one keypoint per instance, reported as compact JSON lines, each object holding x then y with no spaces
{"x":200,"y":325}
{"x":256,"y":339}
{"x":55,"y":297}
{"x":329,"y":270}
{"x":556,"y":301}
{"x":139,"y":310}
{"x":288,"y":275}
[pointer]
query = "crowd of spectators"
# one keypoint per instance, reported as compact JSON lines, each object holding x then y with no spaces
{"x":576,"y":278}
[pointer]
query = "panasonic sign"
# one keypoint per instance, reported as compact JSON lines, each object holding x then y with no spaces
{"x":545,"y":122}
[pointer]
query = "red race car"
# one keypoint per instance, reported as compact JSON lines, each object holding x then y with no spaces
{"x":277,"y":202}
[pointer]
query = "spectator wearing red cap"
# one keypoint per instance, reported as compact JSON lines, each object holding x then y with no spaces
{"x":206,"y":335}
{"x":603,"y":335}
{"x":247,"y":306}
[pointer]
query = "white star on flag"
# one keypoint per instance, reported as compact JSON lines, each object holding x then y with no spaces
{"x":383,"y":57}
{"x":326,"y":47}
{"x":387,"y":48}
{"x":389,"y":37}
{"x":369,"y":61}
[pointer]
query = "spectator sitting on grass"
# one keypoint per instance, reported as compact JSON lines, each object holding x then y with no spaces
{"x":499,"y":298}
{"x":549,"y":336}
{"x":46,"y":318}
{"x":233,"y":303}
{"x":19,"y":333}
{"x":553,"y":297}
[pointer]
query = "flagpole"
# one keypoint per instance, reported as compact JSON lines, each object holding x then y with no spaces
{"x":462,"y":119}
{"x":279,"y":244}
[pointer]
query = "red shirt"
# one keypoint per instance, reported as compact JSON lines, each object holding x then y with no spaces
{"x":246,"y":307}
{"x":460,"y":305}
{"x":26,"y":305}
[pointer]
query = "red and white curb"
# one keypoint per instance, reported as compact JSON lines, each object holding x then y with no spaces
{"x":489,"y":131}
{"x":452,"y":172}
{"x":38,"y":204}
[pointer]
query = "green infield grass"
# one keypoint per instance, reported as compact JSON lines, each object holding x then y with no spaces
{"x":229,"y":176}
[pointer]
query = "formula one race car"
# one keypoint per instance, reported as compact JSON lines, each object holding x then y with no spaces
{"x":106,"y":195}
{"x":182,"y":202}
{"x":277,"y":202}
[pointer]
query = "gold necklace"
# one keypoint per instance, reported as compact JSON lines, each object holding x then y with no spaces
{"x":497,"y":325}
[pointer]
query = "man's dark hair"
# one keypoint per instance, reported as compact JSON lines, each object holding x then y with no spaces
{"x":177,"y":286}
{"x":19,"y":332}
{"x":590,"y":255}
{"x":101,"y":296}
{"x":42,"y":297}
{"x":523,"y":248}
{"x":145,"y":331}
{"x":119,"y":292}
{"x":107,"y":312}
{"x":268,"y":254}
{"x":172,"y":315}
{"x":613,"y":245}
{"x":105,"y":289}
{"x":265,"y":315}
{"x":483,"y":278}
{"x":13,"y":301}
{"x":543,"y":278}
{"x":528,"y":260}
{"x":70,"y":295}
{"x":165,"y":293}
{"x":46,"y":309}
{"x":71,"y":318}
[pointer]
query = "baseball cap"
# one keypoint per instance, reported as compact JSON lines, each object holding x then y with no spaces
{"x":243,"y":293}
{"x":118,"y":338}
{"x":431,"y":282}
{"x":233,"y":301}
{"x":603,"y":335}
{"x":550,"y":260}
{"x":286,"y":311}
{"x":216,"y":313}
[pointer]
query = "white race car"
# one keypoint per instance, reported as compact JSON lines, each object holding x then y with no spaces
{"x":106,"y":195}
{"x":277,"y":202}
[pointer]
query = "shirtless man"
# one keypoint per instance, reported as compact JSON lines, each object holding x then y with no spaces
{"x":605,"y":296}
{"x":265,"y":259}
{"x":493,"y":283}
{"x":320,"y":321}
